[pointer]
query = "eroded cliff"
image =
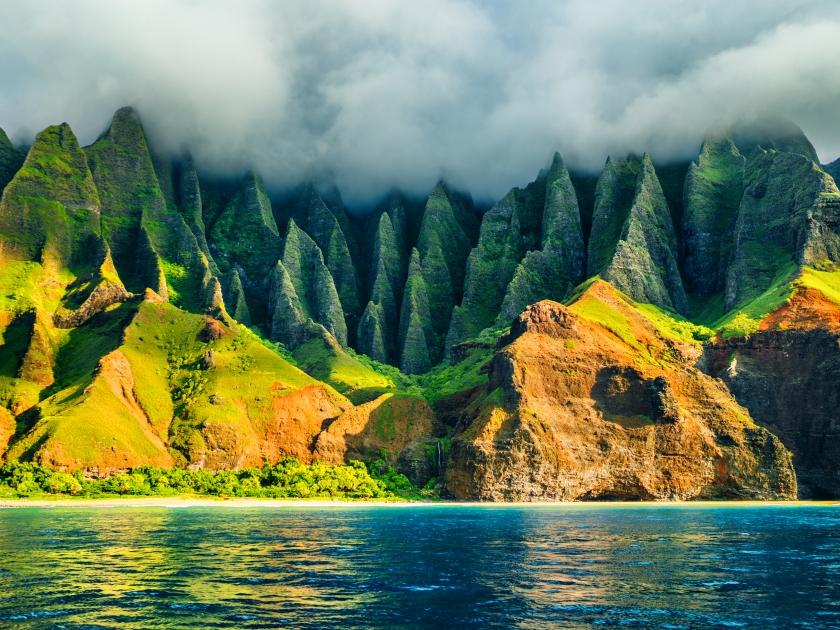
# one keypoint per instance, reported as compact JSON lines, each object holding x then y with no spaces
{"x":594,"y":401}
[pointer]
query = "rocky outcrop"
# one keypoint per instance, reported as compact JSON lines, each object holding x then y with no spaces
{"x":93,"y":292}
{"x":713,"y":188}
{"x":573,"y":411}
{"x":103,"y":296}
{"x":789,"y":215}
{"x":787,"y":375}
{"x":391,"y":423}
{"x":633,"y":245}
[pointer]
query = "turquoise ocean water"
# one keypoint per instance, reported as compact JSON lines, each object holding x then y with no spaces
{"x":566,"y":566}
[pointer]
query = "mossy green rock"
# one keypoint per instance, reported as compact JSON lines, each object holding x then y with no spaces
{"x":373,"y":329}
{"x":552,"y":272}
{"x":416,"y":334}
{"x":145,"y":234}
{"x":447,"y":234}
{"x":246,"y":232}
{"x":50,"y":210}
{"x":192,"y":208}
{"x":287,"y":317}
{"x":388,"y":257}
{"x":713,"y":189}
{"x":234,"y":296}
{"x":789,"y":215}
{"x":510,"y":229}
{"x":11,"y":159}
{"x":314,"y":216}
{"x":449,"y":224}
{"x":125,"y":178}
{"x":633,"y":245}
{"x":302,"y":282}
{"x":377,"y":333}
{"x":530,"y":248}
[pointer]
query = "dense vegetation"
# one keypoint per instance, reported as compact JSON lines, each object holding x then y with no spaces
{"x":288,"y":479}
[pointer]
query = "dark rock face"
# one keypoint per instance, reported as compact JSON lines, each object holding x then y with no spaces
{"x":788,"y":375}
{"x":713,"y":188}
{"x":569,"y":413}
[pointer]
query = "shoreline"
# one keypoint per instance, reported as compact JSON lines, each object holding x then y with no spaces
{"x":244,"y":502}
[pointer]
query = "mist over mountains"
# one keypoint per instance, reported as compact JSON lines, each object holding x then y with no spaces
{"x":383,"y":94}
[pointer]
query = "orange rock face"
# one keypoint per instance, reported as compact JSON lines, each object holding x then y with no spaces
{"x":574,"y":411}
{"x":390,"y":423}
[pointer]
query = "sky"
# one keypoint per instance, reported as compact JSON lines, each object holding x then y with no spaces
{"x":381,"y":93}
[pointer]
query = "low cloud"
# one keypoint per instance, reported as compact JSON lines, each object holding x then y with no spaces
{"x":384,"y":93}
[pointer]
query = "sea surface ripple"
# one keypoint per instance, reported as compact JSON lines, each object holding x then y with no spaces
{"x":567,"y":566}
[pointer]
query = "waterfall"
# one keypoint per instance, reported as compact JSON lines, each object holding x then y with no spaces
{"x":439,"y":456}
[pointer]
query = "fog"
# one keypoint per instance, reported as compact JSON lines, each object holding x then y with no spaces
{"x":383,"y":93}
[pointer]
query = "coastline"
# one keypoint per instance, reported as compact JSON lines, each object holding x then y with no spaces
{"x":242,"y":502}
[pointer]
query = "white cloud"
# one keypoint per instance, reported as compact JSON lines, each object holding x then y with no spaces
{"x":393,"y":93}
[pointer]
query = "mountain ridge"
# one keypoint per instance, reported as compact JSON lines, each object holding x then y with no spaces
{"x":121,"y":262}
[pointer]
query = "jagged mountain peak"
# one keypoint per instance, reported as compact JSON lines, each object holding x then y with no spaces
{"x":779,"y":134}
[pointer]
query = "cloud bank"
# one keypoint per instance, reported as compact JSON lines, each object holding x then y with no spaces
{"x":385,"y":93}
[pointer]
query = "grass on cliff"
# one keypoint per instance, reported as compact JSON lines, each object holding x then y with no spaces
{"x":358,"y":377}
{"x":669,"y":324}
{"x":445,"y":379}
{"x":827,"y":282}
{"x":745,"y":318}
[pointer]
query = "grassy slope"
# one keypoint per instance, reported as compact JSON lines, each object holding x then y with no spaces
{"x":356,"y":376}
{"x":597,"y":301}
